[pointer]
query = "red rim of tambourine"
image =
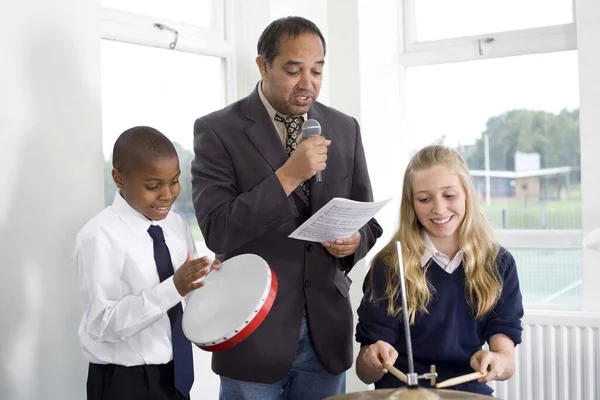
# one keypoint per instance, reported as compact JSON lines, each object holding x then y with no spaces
{"x":252,"y":324}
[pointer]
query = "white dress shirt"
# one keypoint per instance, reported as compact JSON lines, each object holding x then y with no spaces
{"x":125,"y":318}
{"x":440,"y":258}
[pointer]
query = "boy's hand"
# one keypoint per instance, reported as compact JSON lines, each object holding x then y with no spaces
{"x":186,"y":277}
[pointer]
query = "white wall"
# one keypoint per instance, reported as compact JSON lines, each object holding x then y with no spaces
{"x":344,"y":78}
{"x":250,"y":19}
{"x":588,"y":33}
{"x":51,"y":176}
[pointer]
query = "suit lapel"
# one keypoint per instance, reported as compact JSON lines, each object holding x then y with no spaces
{"x":263,"y":135}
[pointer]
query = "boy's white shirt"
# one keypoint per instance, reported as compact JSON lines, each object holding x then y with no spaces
{"x":440,"y":258}
{"x":125,"y":318}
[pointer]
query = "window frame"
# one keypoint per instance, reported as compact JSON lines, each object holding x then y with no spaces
{"x":505,"y":44}
{"x":216,"y":42}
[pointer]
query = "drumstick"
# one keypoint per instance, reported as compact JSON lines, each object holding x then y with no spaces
{"x":460,"y":379}
{"x":396,"y":372}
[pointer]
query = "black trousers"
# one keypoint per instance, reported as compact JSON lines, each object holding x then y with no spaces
{"x":141,"y":382}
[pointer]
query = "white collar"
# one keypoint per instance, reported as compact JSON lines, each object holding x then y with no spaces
{"x":136,"y":221}
{"x":440,"y":258}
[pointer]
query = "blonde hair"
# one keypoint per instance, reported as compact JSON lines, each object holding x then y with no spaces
{"x":483,"y":283}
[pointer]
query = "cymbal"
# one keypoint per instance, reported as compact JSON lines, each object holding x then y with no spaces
{"x":410,"y":394}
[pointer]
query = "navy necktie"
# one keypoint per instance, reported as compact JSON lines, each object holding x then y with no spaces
{"x":182,"y":348}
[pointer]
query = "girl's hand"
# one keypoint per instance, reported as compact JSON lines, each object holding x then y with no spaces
{"x":492,"y":362}
{"x":379,"y":354}
{"x":499,"y":361}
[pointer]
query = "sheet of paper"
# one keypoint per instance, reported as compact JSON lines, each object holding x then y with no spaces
{"x":340,"y":218}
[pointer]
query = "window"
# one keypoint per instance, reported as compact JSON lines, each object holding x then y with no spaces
{"x":164,"y":78}
{"x":164,"y":89}
{"x":519,"y":116}
{"x":509,"y":103}
{"x":439,"y":19}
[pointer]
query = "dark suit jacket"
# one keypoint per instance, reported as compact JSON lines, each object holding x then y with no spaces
{"x":242,"y":208}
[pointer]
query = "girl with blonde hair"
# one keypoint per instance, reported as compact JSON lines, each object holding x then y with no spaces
{"x":462,"y":287}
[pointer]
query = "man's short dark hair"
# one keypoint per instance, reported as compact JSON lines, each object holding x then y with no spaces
{"x":268,"y":43}
{"x":140,"y":145}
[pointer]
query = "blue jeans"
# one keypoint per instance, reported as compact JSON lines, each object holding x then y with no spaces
{"x":307,"y":379}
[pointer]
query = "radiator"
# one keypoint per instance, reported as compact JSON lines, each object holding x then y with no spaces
{"x":559,"y":359}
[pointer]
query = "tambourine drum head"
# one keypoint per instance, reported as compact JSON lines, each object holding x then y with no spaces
{"x":232,"y":303}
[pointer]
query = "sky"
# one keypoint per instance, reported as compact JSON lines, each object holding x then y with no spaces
{"x":457,"y":99}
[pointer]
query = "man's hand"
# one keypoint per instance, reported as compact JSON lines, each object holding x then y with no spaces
{"x":186,"y":277}
{"x":309,"y":158}
{"x":343,"y":247}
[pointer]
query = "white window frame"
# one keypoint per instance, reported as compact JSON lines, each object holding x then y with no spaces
{"x":504,"y":44}
{"x":216,"y":41}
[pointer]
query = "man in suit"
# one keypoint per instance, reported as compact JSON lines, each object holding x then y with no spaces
{"x":251,"y":180}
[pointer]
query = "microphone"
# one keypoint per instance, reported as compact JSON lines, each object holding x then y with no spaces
{"x":311,"y":127}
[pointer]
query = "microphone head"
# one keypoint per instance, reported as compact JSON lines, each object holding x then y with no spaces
{"x":311,"y":127}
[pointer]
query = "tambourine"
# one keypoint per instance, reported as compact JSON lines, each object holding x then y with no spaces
{"x":234,"y":301}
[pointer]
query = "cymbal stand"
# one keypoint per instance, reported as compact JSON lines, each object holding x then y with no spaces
{"x":412,"y":376}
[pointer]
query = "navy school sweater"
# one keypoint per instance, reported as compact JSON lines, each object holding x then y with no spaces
{"x":449,"y":334}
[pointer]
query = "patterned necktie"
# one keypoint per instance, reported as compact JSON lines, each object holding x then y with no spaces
{"x":292,"y":127}
{"x":182,"y":348}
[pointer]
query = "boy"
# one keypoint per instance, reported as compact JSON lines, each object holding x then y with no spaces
{"x":131,"y":327}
